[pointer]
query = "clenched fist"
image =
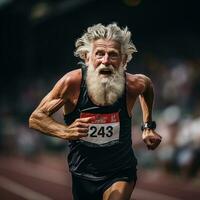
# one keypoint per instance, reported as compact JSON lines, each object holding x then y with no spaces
{"x":78,"y":129}
{"x":151,"y":138}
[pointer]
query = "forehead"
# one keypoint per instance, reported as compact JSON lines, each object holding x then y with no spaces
{"x":106,"y":44}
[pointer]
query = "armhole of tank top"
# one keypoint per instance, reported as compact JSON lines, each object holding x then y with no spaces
{"x":124,"y":99}
{"x":82,"y":85}
{"x":81,"y":90}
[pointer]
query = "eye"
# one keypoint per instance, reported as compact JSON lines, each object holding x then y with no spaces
{"x":113,"y":55}
{"x":100,"y":54}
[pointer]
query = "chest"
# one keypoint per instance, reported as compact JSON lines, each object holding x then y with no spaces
{"x":73,"y":99}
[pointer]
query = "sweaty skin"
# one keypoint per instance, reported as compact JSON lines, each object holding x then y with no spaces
{"x":66,"y":92}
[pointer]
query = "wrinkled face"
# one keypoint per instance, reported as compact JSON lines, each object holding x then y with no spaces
{"x":107,"y":53}
{"x":105,"y":74}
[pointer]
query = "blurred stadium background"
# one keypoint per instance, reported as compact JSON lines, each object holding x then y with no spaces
{"x":36,"y":49}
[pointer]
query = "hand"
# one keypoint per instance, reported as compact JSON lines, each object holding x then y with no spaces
{"x":151,"y":138}
{"x":78,"y":129}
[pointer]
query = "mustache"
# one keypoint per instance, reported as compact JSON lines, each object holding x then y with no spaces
{"x":103,"y":67}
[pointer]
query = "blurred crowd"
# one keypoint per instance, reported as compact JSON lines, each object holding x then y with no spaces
{"x":176,"y":110}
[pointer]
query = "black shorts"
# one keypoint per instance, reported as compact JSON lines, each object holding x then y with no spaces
{"x":83,"y":189}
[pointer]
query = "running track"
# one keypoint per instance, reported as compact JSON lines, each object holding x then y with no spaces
{"x":47,"y":178}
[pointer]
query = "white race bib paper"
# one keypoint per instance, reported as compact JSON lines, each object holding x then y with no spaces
{"x":104,"y":128}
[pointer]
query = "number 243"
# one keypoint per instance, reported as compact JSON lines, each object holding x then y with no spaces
{"x":103,"y":131}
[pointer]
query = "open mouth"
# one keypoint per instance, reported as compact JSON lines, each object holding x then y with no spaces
{"x":105,"y":72}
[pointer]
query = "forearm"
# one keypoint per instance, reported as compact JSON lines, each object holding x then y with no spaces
{"x":146,"y":102}
{"x":47,"y":125}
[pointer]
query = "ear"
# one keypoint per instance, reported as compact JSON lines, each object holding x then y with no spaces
{"x":124,"y":59}
{"x":87,"y":58}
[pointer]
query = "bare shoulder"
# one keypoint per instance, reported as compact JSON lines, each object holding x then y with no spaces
{"x":72,"y":77}
{"x":137,"y":82}
{"x":63,"y":91}
{"x":69,"y":83}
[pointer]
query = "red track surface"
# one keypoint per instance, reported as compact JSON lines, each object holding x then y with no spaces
{"x":47,"y":178}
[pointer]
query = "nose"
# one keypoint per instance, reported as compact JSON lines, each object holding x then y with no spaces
{"x":106,"y":60}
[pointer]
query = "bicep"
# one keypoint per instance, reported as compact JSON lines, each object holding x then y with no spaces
{"x":146,"y":86}
{"x":148,"y":92}
{"x":50,"y":104}
{"x":54,"y":100}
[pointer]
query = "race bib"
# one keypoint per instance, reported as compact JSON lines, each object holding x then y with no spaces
{"x":104,"y":128}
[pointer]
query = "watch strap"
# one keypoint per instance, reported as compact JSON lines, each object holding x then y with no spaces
{"x":148,"y":125}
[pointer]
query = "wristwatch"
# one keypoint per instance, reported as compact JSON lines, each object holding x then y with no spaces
{"x":148,"y":125}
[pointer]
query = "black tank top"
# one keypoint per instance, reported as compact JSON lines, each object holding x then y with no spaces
{"x":99,"y":161}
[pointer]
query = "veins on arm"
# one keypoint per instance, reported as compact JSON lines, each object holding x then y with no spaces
{"x":41,"y":119}
{"x":146,"y":99}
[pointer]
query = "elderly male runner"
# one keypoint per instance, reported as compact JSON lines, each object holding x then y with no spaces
{"x":98,"y":100}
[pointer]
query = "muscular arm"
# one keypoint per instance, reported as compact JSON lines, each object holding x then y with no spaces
{"x":140,"y":85}
{"x":146,"y":99}
{"x":149,"y":136}
{"x":42,"y":121}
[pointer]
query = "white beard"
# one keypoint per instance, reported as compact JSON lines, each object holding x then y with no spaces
{"x":105,"y":89}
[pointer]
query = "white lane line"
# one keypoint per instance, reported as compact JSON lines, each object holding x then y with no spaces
{"x":144,"y":194}
{"x":21,"y":190}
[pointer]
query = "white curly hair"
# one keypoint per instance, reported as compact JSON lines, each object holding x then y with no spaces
{"x":109,"y":32}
